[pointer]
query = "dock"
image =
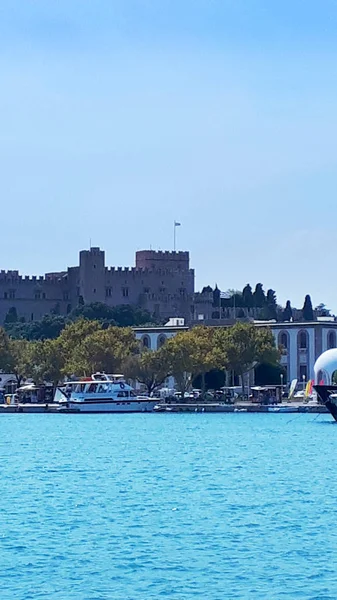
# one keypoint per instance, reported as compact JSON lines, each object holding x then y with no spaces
{"x":251,"y":407}
{"x":209,"y":407}
{"x":27,"y":407}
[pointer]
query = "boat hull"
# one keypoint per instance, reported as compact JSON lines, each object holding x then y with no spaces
{"x":73,"y":406}
{"x":324,"y":392}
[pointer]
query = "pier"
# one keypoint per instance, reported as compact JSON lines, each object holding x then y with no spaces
{"x":246,"y":407}
{"x":251,"y":407}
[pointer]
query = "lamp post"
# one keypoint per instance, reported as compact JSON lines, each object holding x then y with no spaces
{"x":281,"y":377}
{"x":303,"y":379}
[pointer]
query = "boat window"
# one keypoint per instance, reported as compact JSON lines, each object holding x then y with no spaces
{"x":92,"y":388}
{"x":79,"y":388}
{"x":102,"y":388}
{"x":122,"y":394}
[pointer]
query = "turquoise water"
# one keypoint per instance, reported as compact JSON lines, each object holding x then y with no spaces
{"x":141,"y":507}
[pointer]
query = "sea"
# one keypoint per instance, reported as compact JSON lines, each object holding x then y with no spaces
{"x":177,"y":506}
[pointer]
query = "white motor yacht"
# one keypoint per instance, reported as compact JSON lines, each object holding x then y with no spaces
{"x":101,"y":393}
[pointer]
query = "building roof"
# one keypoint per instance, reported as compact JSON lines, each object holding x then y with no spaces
{"x":161,"y":328}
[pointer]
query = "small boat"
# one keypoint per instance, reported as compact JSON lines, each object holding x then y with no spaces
{"x":101,"y":393}
{"x":328,"y":396}
{"x":282,"y":409}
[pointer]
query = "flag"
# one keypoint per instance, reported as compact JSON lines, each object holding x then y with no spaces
{"x":292,"y":389}
{"x":176,"y":224}
{"x":225,"y":295}
{"x":308,"y":389}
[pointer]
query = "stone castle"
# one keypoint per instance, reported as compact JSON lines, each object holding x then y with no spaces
{"x":161,"y":282}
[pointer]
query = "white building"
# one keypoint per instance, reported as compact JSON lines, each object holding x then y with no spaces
{"x":302,"y":342}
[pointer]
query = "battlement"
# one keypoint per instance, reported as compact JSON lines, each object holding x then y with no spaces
{"x":153,"y":260}
{"x":92,"y":253}
{"x":93,"y":250}
{"x":9,"y":273}
{"x":13,"y":277}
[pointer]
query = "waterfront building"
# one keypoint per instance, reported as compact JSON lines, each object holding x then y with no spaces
{"x":302,"y":342}
{"x":160,"y":282}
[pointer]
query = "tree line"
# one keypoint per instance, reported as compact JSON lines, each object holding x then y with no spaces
{"x":51,"y":325}
{"x":264,"y":304}
{"x":84,"y":347}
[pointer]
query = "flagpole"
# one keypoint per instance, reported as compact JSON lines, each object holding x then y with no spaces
{"x":175,"y":225}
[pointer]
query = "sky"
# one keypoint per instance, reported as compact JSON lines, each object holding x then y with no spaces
{"x":118,"y":117}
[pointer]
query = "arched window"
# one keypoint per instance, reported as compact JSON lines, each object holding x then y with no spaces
{"x":146,"y":341}
{"x":283,"y":340}
{"x":331,"y":339}
{"x":303,"y":340}
{"x":161,"y":340}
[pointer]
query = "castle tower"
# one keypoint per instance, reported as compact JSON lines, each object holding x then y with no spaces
{"x":92,"y":275}
{"x":150,"y":259}
{"x":169,"y":283}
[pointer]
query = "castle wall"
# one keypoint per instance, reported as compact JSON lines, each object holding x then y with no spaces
{"x":164,"y":292}
{"x":163,"y":286}
{"x":33,"y":297}
{"x":150,"y":259}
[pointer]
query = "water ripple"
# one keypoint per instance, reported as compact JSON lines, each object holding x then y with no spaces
{"x":135,"y":507}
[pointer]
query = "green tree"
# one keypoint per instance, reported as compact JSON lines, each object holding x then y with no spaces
{"x":5,"y":353}
{"x":47,"y":361}
{"x":307,"y":310}
{"x":271,"y":305}
{"x":123,"y":315}
{"x":149,"y":368}
{"x":56,"y":310}
{"x":72,"y":336}
{"x":20,"y":359}
{"x":190,"y":354}
{"x":49,"y":327}
{"x":322,"y":310}
{"x":243,"y":346}
{"x":95,"y":311}
{"x":259,"y":296}
{"x":247,"y":296}
{"x":126,"y":315}
{"x":11,"y":316}
{"x":103,"y":350}
{"x":287,"y":314}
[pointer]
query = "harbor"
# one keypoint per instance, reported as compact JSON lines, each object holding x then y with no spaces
{"x":193,"y":407}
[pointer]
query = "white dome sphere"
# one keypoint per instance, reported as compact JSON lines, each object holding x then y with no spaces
{"x":327,"y":363}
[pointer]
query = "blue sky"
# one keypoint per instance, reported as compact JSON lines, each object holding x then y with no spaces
{"x":119,"y":116}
